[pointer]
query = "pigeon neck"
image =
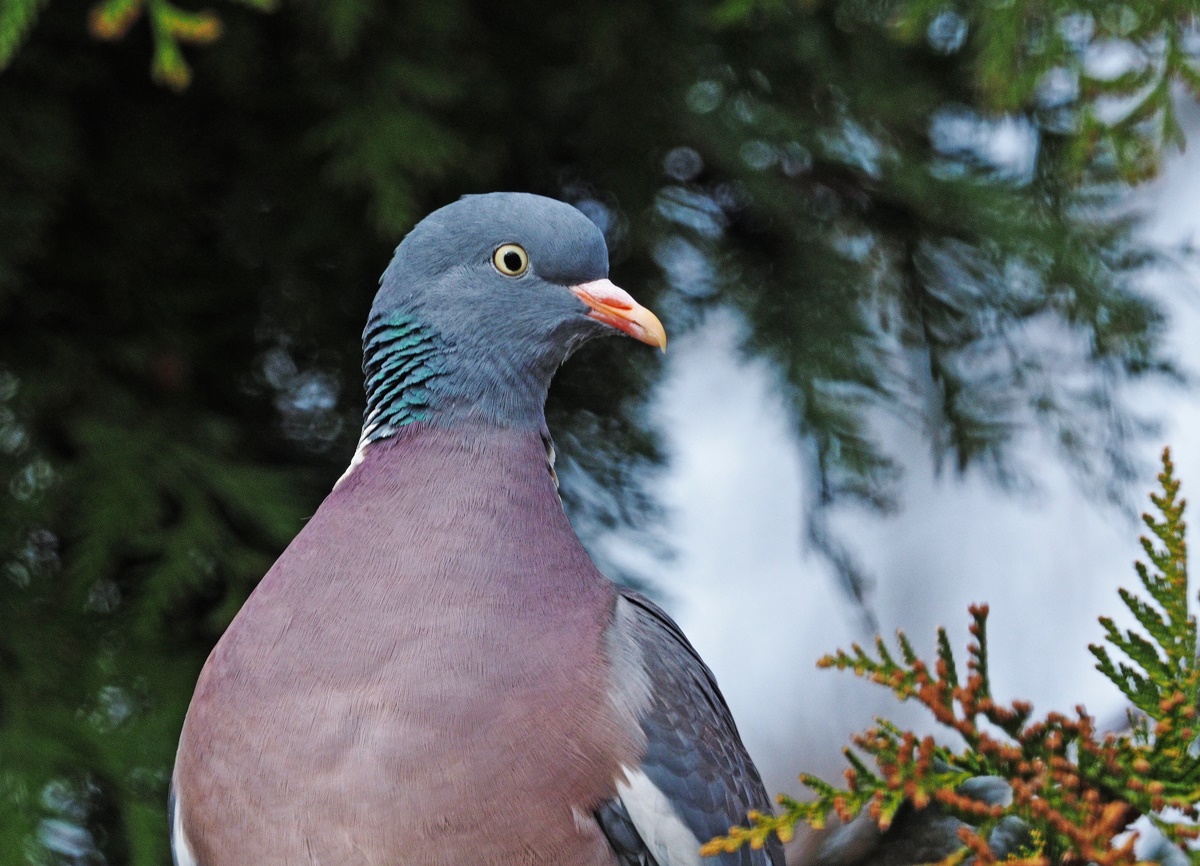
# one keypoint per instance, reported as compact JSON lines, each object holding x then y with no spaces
{"x":414,"y":375}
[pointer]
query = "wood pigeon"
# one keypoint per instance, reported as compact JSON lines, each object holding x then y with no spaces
{"x":434,"y":672}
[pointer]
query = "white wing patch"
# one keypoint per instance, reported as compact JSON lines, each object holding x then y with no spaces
{"x":665,"y":834}
{"x":181,"y":850}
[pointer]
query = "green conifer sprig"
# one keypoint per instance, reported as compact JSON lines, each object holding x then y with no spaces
{"x":17,"y":18}
{"x":1075,"y":790}
{"x":171,"y":26}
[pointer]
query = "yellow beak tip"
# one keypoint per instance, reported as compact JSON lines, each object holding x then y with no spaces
{"x":613,"y":306}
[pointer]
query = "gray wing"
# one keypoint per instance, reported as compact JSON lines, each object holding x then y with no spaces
{"x":696,"y":780}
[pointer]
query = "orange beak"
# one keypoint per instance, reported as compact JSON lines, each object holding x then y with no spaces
{"x":614,"y":307}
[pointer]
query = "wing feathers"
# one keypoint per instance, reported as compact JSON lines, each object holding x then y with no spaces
{"x":696,"y":779}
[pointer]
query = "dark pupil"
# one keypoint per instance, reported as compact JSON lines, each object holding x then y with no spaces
{"x":512,"y":261}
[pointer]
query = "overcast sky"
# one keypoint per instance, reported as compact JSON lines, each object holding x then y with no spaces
{"x":752,"y":599}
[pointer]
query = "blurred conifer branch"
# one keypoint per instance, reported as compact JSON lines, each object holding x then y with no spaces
{"x":1100,"y":70}
{"x":170,"y":25}
{"x":1075,"y":791}
{"x":17,"y":17}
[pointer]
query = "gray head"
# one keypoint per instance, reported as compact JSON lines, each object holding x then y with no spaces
{"x":482,"y":302}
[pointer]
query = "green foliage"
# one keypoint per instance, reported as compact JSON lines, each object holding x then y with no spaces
{"x":1121,"y":114}
{"x":168,"y":533}
{"x":929,"y":248}
{"x":361,"y":141}
{"x":171,"y":27}
{"x":1074,"y":790}
{"x":17,"y":18}
{"x":1173,"y":630}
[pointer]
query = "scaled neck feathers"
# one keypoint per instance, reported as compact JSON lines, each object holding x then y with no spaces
{"x":405,"y":364}
{"x":415,"y":374}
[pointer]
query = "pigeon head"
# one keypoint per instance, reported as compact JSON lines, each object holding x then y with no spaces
{"x":482,"y":302}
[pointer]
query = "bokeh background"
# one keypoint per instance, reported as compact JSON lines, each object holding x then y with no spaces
{"x":926,"y":265}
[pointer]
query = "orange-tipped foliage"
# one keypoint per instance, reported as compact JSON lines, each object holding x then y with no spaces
{"x":1076,"y":791}
{"x":170,"y":26}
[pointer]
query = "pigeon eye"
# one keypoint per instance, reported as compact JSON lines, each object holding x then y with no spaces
{"x":511,"y":260}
